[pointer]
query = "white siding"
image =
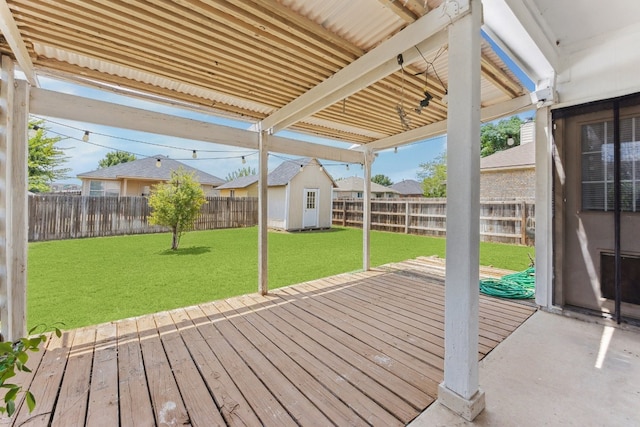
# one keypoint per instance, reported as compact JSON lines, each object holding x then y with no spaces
{"x":277,"y":207}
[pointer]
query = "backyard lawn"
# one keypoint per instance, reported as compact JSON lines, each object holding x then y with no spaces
{"x":89,"y":281}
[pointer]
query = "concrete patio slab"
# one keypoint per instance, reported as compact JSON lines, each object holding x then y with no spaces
{"x":555,"y":370}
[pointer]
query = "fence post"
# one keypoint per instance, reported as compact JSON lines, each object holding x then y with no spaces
{"x":523,"y":223}
{"x":344,"y":212}
{"x":406,"y":217}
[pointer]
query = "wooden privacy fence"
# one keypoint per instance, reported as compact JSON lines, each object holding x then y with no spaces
{"x":54,"y":217}
{"x":500,"y":221}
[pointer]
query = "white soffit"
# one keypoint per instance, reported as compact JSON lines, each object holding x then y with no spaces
{"x":536,"y":53}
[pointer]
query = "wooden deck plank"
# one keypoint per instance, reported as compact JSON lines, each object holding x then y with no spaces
{"x":332,"y":407}
{"x":73,"y":397}
{"x":364,"y":406}
{"x":345,"y":369}
{"x":266,"y":406}
{"x":353,"y":349}
{"x":103,"y":395}
{"x":396,"y":377}
{"x":167,"y":403}
{"x":198,"y":401}
{"x":46,"y":381}
{"x":295,"y":402}
{"x":25,"y":379}
{"x":134,"y":401}
{"x":234,"y":407}
{"x":428,"y":366}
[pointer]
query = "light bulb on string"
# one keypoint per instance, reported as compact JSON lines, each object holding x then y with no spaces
{"x":395,"y":150}
{"x":158,"y":163}
{"x":85,"y":137}
{"x":347,"y":167}
{"x":244,"y":160}
{"x":321,"y":168}
{"x":301,"y":168}
{"x":194,"y":155}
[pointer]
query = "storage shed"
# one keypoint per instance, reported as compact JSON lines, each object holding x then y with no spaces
{"x":299,"y":194}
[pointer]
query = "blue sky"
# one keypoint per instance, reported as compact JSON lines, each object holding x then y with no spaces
{"x":218,"y":160}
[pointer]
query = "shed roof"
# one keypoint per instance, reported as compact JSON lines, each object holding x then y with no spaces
{"x":356,"y":184}
{"x":281,"y":175}
{"x":521,"y":156}
{"x":408,"y":187}
{"x":146,"y":169}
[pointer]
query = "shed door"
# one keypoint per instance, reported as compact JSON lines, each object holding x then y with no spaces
{"x":310,"y":208}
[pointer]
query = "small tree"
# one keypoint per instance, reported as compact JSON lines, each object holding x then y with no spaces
{"x":176,"y":204}
{"x":382,"y":180}
{"x":45,"y":159}
{"x":434,"y":177}
{"x":113,"y":158}
{"x":246,"y":171}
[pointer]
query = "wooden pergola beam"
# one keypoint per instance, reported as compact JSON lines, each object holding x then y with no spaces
{"x":11,"y":33}
{"x":71,"y":107}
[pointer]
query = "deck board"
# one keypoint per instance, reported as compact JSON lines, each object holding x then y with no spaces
{"x":356,"y":349}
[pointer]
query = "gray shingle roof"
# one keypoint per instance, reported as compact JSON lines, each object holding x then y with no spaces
{"x":241,"y":182}
{"x":146,"y":169}
{"x":355,"y":183}
{"x":517,"y":157}
{"x":408,"y":187}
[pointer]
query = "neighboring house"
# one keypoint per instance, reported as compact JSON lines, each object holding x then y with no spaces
{"x":511,"y":174}
{"x":408,"y":188}
{"x":136,"y":178}
{"x":299,"y":194}
{"x":353,"y":188}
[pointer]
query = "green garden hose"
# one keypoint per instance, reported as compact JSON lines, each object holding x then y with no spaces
{"x":516,"y":286}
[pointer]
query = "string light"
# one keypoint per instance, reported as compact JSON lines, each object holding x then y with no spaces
{"x":321,"y":168}
{"x":347,"y":167}
{"x":194,"y":155}
{"x":395,"y":150}
{"x":85,"y":137}
{"x":301,"y":168}
{"x":158,"y":163}
{"x":244,"y":160}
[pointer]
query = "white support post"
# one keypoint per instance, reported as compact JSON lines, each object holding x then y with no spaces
{"x":366,"y":211}
{"x":460,"y":389}
{"x":544,"y":215}
{"x":263,"y":224}
{"x":7,"y":93}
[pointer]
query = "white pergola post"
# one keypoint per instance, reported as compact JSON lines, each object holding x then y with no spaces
{"x":544,"y":215}
{"x":460,"y":389}
{"x":13,"y":202}
{"x":263,"y":225}
{"x":366,"y":210}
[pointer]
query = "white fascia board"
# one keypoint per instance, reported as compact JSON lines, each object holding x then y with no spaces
{"x":487,"y":114}
{"x":10,"y":31}
{"x":517,"y":27}
{"x":369,"y":68}
{"x":71,"y":107}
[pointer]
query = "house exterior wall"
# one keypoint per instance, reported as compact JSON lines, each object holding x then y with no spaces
{"x":134,"y":187}
{"x":249,"y":191}
{"x":277,"y":207}
{"x":310,"y":178}
{"x":508,"y":184}
{"x":337,"y":194}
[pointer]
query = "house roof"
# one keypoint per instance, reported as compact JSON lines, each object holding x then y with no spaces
{"x":408,"y":187}
{"x":519,"y":157}
{"x":146,"y":169}
{"x":281,"y":175}
{"x":354,"y":183}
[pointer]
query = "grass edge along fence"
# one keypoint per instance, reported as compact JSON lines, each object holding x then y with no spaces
{"x":501,"y":221}
{"x":56,"y":217}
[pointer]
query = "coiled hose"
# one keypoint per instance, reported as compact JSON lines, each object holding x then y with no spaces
{"x":516,"y":286}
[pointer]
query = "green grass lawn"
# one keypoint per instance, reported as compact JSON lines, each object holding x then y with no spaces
{"x":89,"y":281}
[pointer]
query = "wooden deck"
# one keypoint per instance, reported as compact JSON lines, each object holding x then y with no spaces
{"x":353,"y":349}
